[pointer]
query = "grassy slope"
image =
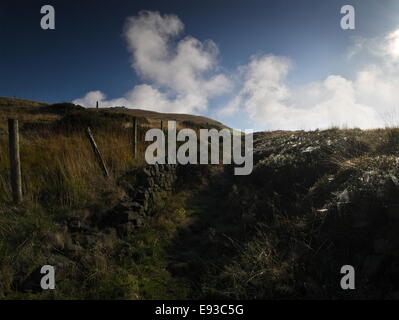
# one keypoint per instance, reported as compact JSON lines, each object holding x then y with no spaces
{"x":11,"y":107}
{"x":263,"y":236}
{"x":315,"y":202}
{"x":157,"y":116}
{"x":62,"y":181}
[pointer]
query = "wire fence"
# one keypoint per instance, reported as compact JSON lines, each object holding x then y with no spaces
{"x":15,"y":142}
{"x":101,"y":143}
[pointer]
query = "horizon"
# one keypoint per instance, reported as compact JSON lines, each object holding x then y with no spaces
{"x":279,"y":66}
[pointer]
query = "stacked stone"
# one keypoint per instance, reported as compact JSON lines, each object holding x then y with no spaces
{"x":153,"y":184}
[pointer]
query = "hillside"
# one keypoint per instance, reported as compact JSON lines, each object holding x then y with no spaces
{"x":157,"y":116}
{"x":19,"y":103}
{"x":314,"y":202}
{"x":27,"y":109}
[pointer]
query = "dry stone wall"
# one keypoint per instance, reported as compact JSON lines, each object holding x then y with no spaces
{"x":145,"y":188}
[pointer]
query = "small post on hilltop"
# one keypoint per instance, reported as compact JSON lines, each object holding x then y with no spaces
{"x":134,"y":138}
{"x":97,"y":152}
{"x":97,"y":105}
{"x":15,"y":162}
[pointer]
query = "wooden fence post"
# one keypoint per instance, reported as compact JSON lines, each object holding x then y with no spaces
{"x":165,"y":137}
{"x":15,"y":162}
{"x":97,"y":152}
{"x":135,"y":138}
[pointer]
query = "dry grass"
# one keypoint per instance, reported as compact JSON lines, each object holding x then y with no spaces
{"x":62,"y":170}
{"x":58,"y":166}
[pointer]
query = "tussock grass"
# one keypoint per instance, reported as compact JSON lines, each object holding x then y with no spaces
{"x":62,"y":170}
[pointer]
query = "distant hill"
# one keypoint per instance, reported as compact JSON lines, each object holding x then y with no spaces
{"x":39,"y":111}
{"x":20,"y":103}
{"x":158,"y":116}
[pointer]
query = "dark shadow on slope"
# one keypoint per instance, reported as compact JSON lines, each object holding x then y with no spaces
{"x":286,"y":230}
{"x":211,"y":236}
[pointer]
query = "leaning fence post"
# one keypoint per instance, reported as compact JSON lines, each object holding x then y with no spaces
{"x":134,"y":137}
{"x":97,"y":152}
{"x":15,"y":162}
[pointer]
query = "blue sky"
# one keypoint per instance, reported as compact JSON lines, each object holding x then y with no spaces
{"x":88,"y":52}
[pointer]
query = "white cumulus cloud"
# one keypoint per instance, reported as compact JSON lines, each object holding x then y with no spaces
{"x":180,"y":75}
{"x":368,"y":100}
